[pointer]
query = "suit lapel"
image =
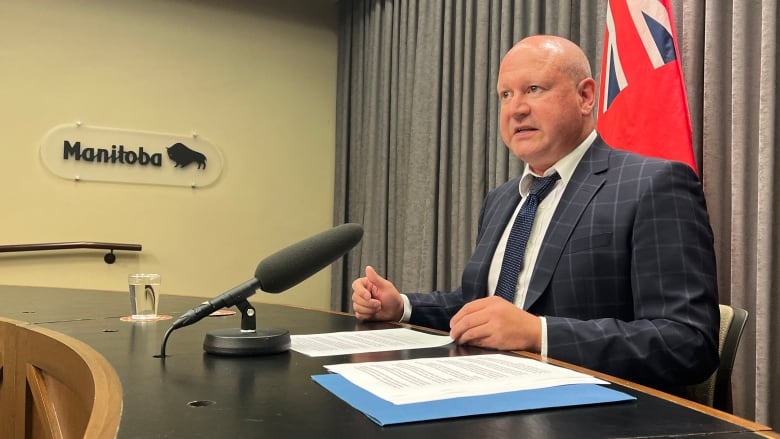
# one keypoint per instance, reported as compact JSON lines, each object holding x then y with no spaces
{"x":585,"y":183}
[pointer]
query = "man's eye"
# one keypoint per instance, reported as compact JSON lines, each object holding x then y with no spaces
{"x":534,"y":89}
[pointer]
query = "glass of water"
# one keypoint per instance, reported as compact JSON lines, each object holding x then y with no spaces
{"x":144,"y":295}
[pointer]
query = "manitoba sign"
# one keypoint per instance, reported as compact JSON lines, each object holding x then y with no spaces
{"x":79,"y":152}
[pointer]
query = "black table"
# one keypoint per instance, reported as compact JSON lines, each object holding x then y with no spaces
{"x":191,"y":394}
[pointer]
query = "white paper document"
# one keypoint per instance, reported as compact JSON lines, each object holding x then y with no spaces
{"x":355,"y":342}
{"x":430,"y":379}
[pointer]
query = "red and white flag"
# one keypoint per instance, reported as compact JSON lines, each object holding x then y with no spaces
{"x":642,"y":102}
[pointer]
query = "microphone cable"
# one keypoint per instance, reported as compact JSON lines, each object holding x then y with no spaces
{"x":165,"y":341}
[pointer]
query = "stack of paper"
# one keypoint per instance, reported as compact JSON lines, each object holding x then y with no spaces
{"x":391,"y":392}
{"x":354,"y":342}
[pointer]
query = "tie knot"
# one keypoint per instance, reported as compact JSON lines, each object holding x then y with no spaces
{"x":540,"y":186}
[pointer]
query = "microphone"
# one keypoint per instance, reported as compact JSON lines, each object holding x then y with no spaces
{"x":296,"y":263}
{"x":279,"y":272}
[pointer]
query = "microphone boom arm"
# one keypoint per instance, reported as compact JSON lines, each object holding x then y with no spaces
{"x":235,"y":295}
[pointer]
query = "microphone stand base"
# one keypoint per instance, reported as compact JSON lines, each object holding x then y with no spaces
{"x":235,"y":342}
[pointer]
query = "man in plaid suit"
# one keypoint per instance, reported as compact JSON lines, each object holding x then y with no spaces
{"x":619,"y":270}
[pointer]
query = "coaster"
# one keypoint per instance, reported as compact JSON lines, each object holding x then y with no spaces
{"x":156,"y":319}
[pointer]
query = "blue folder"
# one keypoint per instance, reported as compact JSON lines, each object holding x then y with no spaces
{"x":386,"y":413}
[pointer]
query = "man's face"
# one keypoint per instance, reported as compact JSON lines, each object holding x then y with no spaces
{"x":544,"y":114}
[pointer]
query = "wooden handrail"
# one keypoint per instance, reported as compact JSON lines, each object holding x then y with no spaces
{"x":109,"y":257}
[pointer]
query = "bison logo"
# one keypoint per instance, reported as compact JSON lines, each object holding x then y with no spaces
{"x":183,"y":156}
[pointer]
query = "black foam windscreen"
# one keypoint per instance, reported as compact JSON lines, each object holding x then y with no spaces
{"x":294,"y":264}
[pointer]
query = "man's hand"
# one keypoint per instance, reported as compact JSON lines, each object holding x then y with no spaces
{"x":376,"y":298}
{"x":492,"y":322}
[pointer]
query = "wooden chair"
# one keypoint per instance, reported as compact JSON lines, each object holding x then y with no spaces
{"x":54,"y":386}
{"x":716,"y":390}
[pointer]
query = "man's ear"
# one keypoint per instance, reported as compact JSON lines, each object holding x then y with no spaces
{"x":586,"y":90}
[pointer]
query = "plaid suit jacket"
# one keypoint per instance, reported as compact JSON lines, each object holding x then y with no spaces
{"x":625,"y":276}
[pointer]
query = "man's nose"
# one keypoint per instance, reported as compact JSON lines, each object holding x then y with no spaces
{"x":518,"y":106}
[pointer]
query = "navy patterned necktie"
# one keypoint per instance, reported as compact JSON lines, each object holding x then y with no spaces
{"x":518,"y":237}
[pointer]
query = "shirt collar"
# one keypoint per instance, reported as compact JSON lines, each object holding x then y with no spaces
{"x":564,"y":167}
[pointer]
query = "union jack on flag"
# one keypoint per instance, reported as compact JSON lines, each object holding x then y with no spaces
{"x":642,"y":102}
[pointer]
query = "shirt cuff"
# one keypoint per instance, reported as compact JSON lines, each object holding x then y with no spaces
{"x":544,"y":337}
{"x":407,"y":309}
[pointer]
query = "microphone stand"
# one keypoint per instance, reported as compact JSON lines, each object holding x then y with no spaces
{"x":247,"y":340}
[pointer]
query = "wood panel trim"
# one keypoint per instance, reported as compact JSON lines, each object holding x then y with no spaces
{"x":41,"y":402}
{"x":7,"y":390}
{"x":48,"y":361}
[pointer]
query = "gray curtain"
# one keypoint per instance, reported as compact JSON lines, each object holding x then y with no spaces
{"x":729,"y":54}
{"x":418,"y":148}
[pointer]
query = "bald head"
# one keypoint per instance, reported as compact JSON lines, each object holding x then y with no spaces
{"x":567,"y":56}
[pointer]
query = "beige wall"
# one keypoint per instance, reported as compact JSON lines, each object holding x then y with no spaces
{"x":256,"y":78}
